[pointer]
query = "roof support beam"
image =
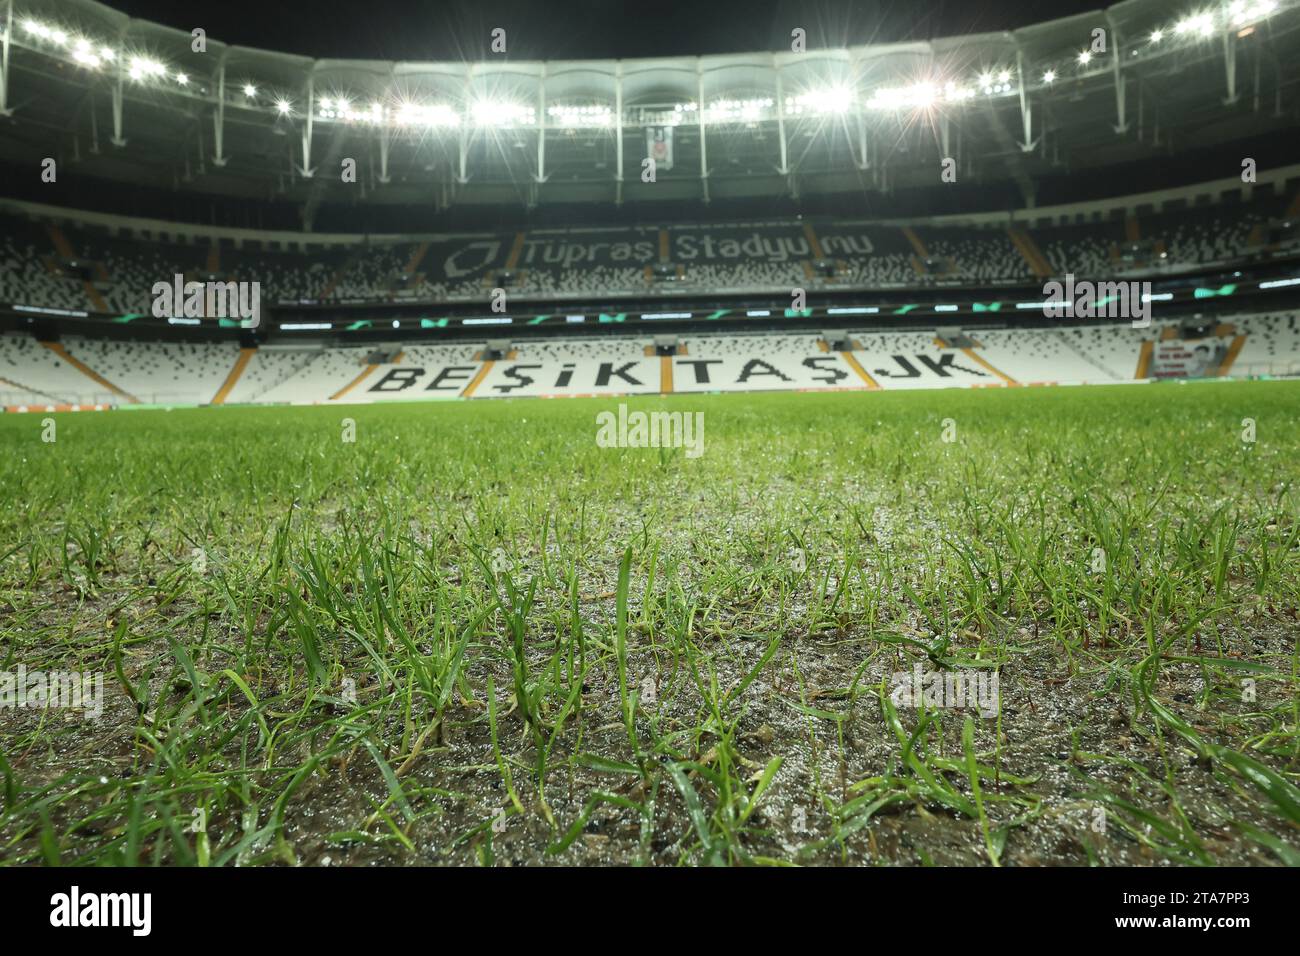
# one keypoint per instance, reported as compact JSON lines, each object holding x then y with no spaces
{"x":1230,"y":67}
{"x":864,"y":162}
{"x":462,"y":145}
{"x":219,"y":117}
{"x":385,"y":138}
{"x":784,"y":168}
{"x":117,"y":138}
{"x":541,"y":128}
{"x":1028,"y":143}
{"x":618,"y":133}
{"x":308,"y":128}
{"x":700,"y":111}
{"x":1121,"y":125}
{"x":4,"y":60}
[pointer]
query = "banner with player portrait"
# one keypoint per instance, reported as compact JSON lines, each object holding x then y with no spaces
{"x":659,"y":145}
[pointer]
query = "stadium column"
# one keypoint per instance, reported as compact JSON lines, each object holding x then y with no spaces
{"x":386,"y":133}
{"x":541,"y":127}
{"x":307,"y":126}
{"x":700,"y":111}
{"x":860,"y":162}
{"x":118,"y":139}
{"x":1121,"y":126}
{"x":219,"y":115}
{"x":4,"y":58}
{"x":618,"y":132}
{"x":1026,"y":111}
{"x":784,"y":168}
{"x":1230,"y":67}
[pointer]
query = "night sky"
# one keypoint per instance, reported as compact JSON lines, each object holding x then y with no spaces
{"x":582,"y":29}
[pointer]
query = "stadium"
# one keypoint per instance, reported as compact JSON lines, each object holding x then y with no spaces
{"x":837,"y":551}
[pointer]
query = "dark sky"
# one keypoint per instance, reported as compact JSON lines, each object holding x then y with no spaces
{"x":581,"y":29}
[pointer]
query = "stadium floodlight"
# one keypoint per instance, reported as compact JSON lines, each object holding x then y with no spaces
{"x":501,"y":113}
{"x":142,"y":66}
{"x":283,"y":107}
{"x":917,"y":96}
{"x":573,"y":116}
{"x":1201,"y":24}
{"x":432,"y":114}
{"x":182,"y":78}
{"x":83,"y":54}
{"x":1004,"y":76}
{"x":1085,"y":58}
{"x":1243,"y":12}
{"x":1049,"y":76}
{"x":838,"y":99}
{"x":250,"y":90}
{"x":107,"y":54}
{"x":955,"y":94}
{"x":832,"y":99}
{"x":1157,"y":36}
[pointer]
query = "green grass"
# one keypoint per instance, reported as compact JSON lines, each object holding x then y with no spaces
{"x":473,"y":636}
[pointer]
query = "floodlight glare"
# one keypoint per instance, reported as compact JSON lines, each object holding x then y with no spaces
{"x":918,"y":96}
{"x":250,"y":90}
{"x":1049,"y":76}
{"x":1242,"y":12}
{"x":182,"y":78}
{"x":143,"y":66}
{"x":500,"y":113}
{"x":282,"y":107}
{"x":1199,"y":23}
{"x":1157,"y":36}
{"x":1085,"y":58}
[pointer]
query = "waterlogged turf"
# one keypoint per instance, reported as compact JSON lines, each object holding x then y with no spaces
{"x":1024,"y":626}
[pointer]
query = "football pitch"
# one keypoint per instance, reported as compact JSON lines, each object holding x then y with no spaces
{"x":1003,"y":626}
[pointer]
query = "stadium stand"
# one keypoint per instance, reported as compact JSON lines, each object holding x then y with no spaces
{"x":32,"y":373}
{"x":66,"y":266}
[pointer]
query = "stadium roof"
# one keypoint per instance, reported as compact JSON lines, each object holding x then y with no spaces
{"x":135,"y":101}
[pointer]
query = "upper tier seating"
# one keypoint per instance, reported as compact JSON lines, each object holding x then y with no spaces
{"x":115,"y":272}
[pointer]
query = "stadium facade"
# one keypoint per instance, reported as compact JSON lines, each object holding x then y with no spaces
{"x":677,"y":292}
